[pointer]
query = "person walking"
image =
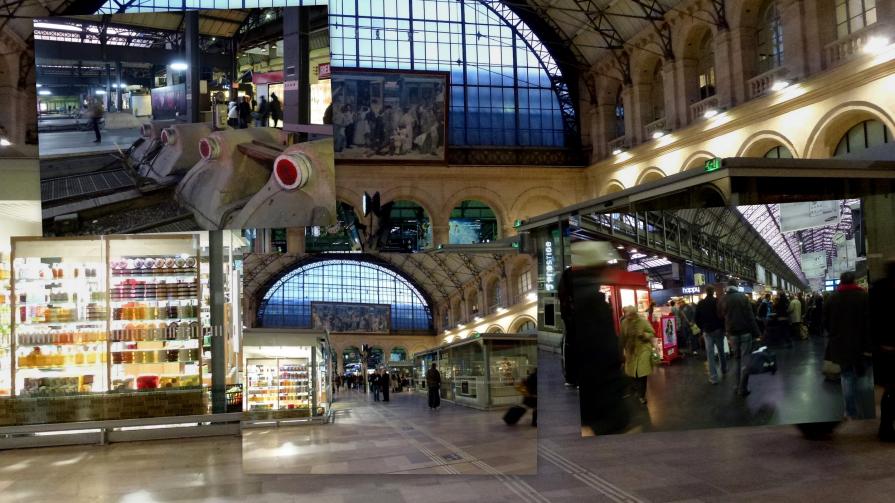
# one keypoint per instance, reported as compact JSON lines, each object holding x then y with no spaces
{"x":233,"y":115}
{"x":712,"y":327}
{"x":531,"y":395}
{"x":95,"y":112}
{"x":851,"y":345}
{"x":794,"y":311}
{"x":637,"y":341}
{"x":276,"y":109}
{"x":385,"y":383}
{"x":433,"y":383}
{"x":245,"y":112}
{"x":374,"y":385}
{"x":263,"y":113}
{"x":741,"y":328}
{"x":685,"y":316}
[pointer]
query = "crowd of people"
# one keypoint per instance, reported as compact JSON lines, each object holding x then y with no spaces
{"x":387,"y":130}
{"x":246,"y":110}
{"x":381,"y":382}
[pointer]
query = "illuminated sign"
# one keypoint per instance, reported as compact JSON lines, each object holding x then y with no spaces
{"x":713,"y":164}
{"x":690,"y":290}
{"x":324,"y":71}
{"x":549,"y":265}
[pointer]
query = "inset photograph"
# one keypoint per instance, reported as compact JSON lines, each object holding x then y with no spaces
{"x":18,"y":120}
{"x":175,"y":121}
{"x":390,"y":363}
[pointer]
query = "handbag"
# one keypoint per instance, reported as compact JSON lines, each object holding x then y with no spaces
{"x":694,"y":329}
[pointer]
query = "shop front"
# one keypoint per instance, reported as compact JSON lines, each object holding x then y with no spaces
{"x":483,"y":371}
{"x":287,"y":374}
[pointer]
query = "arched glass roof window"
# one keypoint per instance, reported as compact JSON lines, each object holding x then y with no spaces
{"x":288,"y":302}
{"x":507,"y":89}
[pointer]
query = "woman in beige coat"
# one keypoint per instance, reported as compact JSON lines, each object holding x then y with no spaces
{"x":637,"y":339}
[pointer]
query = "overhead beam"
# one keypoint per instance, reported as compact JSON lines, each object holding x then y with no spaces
{"x":51,"y":49}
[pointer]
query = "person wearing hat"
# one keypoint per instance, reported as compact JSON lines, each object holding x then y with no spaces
{"x":741,"y":328}
{"x":637,"y":340}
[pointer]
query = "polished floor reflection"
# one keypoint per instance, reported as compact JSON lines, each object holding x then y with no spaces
{"x":399,"y":436}
{"x":680,"y":397}
{"x":762,"y":464}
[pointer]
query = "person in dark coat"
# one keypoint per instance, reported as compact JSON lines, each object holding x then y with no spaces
{"x":882,"y":298}
{"x":276,"y":109}
{"x":245,"y":112}
{"x":598,"y":364}
{"x":263,"y":113}
{"x":741,"y":328}
{"x":374,"y":386}
{"x":531,"y":395}
{"x":712,"y":327}
{"x":851,"y":345}
{"x":433,"y":384}
{"x":385,"y":384}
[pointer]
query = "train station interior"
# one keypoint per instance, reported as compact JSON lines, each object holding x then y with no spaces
{"x":534,"y":196}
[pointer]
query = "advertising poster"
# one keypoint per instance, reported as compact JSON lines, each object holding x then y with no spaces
{"x":799,"y":216}
{"x":382,"y":115}
{"x":168,"y":102}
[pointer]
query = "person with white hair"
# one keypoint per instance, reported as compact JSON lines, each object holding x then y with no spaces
{"x":638,"y":341}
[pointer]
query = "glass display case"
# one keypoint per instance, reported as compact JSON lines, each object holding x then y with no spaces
{"x":154,"y":301}
{"x":286,"y":372}
{"x":5,"y":325}
{"x":60,"y":318}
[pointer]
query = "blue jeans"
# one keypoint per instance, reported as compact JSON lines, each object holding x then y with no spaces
{"x":741,"y":347}
{"x":375,"y":393}
{"x":714,"y":345}
{"x":857,"y":391}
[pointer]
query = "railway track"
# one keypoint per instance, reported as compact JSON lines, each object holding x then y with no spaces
{"x":61,"y":189}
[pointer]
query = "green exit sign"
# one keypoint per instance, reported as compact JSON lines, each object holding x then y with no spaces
{"x":713,"y":164}
{"x":517,"y":223}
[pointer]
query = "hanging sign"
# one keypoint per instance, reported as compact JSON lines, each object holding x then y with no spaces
{"x":800,"y":216}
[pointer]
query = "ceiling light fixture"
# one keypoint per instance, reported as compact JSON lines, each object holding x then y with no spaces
{"x":875,"y":45}
{"x":179,"y":66}
{"x":711,"y":112}
{"x":780,"y":85}
{"x":618,"y":150}
{"x":659,"y":133}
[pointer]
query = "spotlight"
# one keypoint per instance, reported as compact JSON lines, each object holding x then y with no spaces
{"x":711,"y":112}
{"x":618,"y":150}
{"x":4,"y":142}
{"x":179,"y":66}
{"x":100,"y":91}
{"x":44,"y":92}
{"x":531,"y":296}
{"x":875,"y":45}
{"x":658,"y":134}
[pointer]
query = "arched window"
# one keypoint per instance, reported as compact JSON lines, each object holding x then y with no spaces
{"x":854,"y":15}
{"x":351,"y":359}
{"x":705,"y":66}
{"x":657,"y":94}
{"x":496,"y":294}
{"x":345,"y":283}
{"x":769,"y":37}
{"x":409,"y":228}
{"x":398,"y":354}
{"x":495,"y":330}
{"x":446,"y":319}
{"x":619,"y":113}
{"x":473,"y":303}
{"x":472,"y":222}
{"x":867,"y":134}
{"x":778,"y":152}
{"x":523,"y":284}
{"x":375,"y":358}
{"x":528,"y":327}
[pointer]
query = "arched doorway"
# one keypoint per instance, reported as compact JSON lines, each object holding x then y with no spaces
{"x":398,"y":354}
{"x":351,"y":360}
{"x":406,"y":228}
{"x":861,"y":136}
{"x":375,"y":358}
{"x":473,"y":222}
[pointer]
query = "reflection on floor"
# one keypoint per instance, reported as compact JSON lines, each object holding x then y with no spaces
{"x":399,"y":436}
{"x":680,"y":397}
{"x":81,"y":142}
{"x":762,"y":464}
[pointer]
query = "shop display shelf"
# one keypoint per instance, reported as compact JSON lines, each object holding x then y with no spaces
{"x":158,"y":319}
{"x":61,"y":323}
{"x":150,"y":274}
{"x":51,"y":368}
{"x":60,"y":280}
{"x":116,"y":302}
{"x":92,"y":343}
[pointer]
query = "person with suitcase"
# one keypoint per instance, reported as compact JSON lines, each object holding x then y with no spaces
{"x":433,"y":383}
{"x":741,"y":328}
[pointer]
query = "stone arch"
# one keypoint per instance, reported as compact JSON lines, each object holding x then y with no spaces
{"x":477,"y":193}
{"x":413,"y":194}
{"x":494,"y":329}
{"x":519,"y":321}
{"x":689,"y":34}
{"x":536,"y":201}
{"x":758,"y":144}
{"x":697,"y":160}
{"x":834,"y":124}
{"x":612,"y":186}
{"x":650,"y":175}
{"x":349,"y":196}
{"x":488,"y":303}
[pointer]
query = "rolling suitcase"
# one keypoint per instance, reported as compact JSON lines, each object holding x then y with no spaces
{"x":763,"y":361}
{"x":514,"y":414}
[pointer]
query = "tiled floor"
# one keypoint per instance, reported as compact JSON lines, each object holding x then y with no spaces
{"x":399,"y":436}
{"x":760,"y":464}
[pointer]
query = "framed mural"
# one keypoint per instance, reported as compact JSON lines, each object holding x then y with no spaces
{"x":390,"y":115}
{"x":351,"y":318}
{"x":168,"y":102}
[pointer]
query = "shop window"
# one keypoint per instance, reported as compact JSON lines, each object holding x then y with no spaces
{"x":398,"y":354}
{"x":770,"y":38}
{"x":619,"y":113}
{"x":407,"y":228}
{"x":657,"y":93}
{"x":472,"y":222}
{"x":778,"y":152}
{"x":705,"y":66}
{"x":341,"y":282}
{"x":375,"y":358}
{"x":867,"y":134}
{"x":854,"y":15}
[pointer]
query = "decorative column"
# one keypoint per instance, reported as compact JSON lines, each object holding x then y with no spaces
{"x":796,"y":58}
{"x":724,"y":68}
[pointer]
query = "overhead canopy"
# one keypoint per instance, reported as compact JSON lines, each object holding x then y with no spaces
{"x":212,"y":23}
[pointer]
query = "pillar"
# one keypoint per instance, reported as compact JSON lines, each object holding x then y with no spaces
{"x":191,"y":40}
{"x":628,"y":101}
{"x":795,"y":38}
{"x":296,"y":52}
{"x":724,"y":69}
{"x":440,"y":234}
{"x":107,"y":99}
{"x":671,"y":89}
{"x":685,"y":75}
{"x":119,"y":94}
{"x":743,"y":62}
{"x":234,"y":69}
{"x":606,"y":126}
{"x":216,"y":296}
{"x":642,"y":113}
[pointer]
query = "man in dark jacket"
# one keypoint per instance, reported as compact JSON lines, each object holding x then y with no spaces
{"x":712,"y":327}
{"x":851,"y":345}
{"x":741,"y":328}
{"x":374,"y":385}
{"x":531,"y":396}
{"x":433,"y":384}
{"x":245,"y":111}
{"x":385,"y":384}
{"x":882,"y":298}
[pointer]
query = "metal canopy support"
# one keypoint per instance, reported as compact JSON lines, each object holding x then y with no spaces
{"x":602,"y":26}
{"x":191,"y":40}
{"x":296,"y":51}
{"x":720,"y":14}
{"x":655,"y":14}
{"x":216,"y":296}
